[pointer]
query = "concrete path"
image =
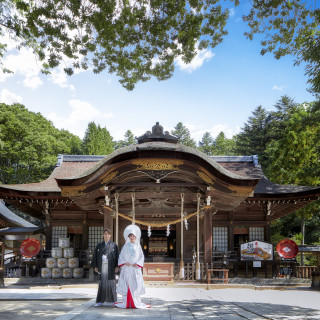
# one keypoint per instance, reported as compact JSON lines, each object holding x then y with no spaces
{"x":167,"y":303}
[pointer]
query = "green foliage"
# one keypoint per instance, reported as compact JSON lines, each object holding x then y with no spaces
{"x":136,"y":40}
{"x":206,"y":145}
{"x":224,"y":146}
{"x":289,"y":28}
{"x":128,"y":140}
{"x":220,"y":146}
{"x":97,"y":140}
{"x":293,"y":159}
{"x":287,"y":141}
{"x":252,"y":139}
{"x":30,"y":145}
{"x":183,"y":133}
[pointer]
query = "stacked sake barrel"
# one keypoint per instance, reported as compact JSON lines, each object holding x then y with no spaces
{"x":62,"y":264}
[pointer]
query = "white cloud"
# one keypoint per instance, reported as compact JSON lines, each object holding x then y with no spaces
{"x":81,"y":114}
{"x":33,"y":82}
{"x":9,"y":97}
{"x":279,"y":88}
{"x":232,"y":12}
{"x":23,"y":63}
{"x":59,"y":77}
{"x":197,"y":62}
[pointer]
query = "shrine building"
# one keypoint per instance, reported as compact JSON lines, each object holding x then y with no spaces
{"x":187,"y":204}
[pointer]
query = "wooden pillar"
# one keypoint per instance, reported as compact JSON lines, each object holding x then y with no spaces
{"x":2,"y":266}
{"x":198,"y":274}
{"x":107,"y":219}
{"x":207,"y":236}
{"x":181,"y":234}
{"x":117,"y":219}
{"x":48,"y":231}
{"x":178,"y":240}
{"x":231,"y":236}
{"x":84,"y":242}
{"x":267,"y":232}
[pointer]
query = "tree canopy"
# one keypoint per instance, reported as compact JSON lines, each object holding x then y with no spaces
{"x":183,"y":134}
{"x":30,"y":145}
{"x":289,"y":28}
{"x":97,"y":140}
{"x":136,"y":40}
{"x":140,"y":39}
{"x":128,"y":140}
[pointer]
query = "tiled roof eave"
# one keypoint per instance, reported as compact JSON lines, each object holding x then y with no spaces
{"x":163,"y":146}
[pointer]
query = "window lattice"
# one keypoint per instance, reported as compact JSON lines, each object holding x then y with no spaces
{"x":95,"y":236}
{"x":220,"y":238}
{"x":58,"y":232}
{"x":256,"y":233}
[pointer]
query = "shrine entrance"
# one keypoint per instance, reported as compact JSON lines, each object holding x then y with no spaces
{"x":158,"y":246}
{"x":169,"y":190}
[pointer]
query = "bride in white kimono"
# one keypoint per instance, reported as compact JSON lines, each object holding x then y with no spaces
{"x":131,"y":260}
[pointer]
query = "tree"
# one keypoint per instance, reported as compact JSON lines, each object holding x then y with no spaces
{"x":224,"y":146}
{"x":277,"y":121}
{"x":206,"y":144}
{"x":128,"y":140}
{"x":183,"y":134}
{"x":136,"y":40}
{"x":289,"y":28}
{"x":294,"y":158}
{"x":97,"y":140}
{"x":30,"y":145}
{"x":252,"y":138}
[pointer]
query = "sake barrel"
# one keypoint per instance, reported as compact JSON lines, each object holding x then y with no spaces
{"x":62,"y":263}
{"x":67,"y":273}
{"x":51,"y":262}
{"x":68,"y":252}
{"x":46,"y":273}
{"x":56,"y":273}
{"x":73,"y":262}
{"x":64,"y":242}
{"x":78,"y":273}
{"x":56,"y":252}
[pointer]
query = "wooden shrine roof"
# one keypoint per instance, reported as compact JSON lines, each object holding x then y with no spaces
{"x":77,"y":166}
{"x":10,"y":219}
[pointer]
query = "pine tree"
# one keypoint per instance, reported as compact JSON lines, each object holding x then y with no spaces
{"x":183,"y":133}
{"x":206,"y":145}
{"x":128,"y":140}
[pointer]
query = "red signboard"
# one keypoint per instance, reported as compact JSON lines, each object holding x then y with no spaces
{"x":287,"y":249}
{"x":30,"y":247}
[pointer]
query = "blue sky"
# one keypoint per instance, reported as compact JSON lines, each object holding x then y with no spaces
{"x":217,"y":92}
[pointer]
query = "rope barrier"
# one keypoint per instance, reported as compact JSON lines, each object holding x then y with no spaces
{"x":159,"y":224}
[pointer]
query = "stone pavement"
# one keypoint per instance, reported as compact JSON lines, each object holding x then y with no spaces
{"x":174,"y":303}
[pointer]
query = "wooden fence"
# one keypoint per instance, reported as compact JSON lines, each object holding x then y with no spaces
{"x":305,"y":271}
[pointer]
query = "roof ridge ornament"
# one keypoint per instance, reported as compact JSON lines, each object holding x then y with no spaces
{"x":157,"y":134}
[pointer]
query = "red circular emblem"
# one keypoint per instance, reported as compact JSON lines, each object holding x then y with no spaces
{"x":30,"y":247}
{"x":287,"y":248}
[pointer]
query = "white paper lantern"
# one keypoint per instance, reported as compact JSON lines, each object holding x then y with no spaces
{"x":64,"y":242}
{"x":68,"y":252}
{"x":62,"y":263}
{"x":73,"y":262}
{"x":67,"y":273}
{"x":56,"y":273}
{"x":78,"y":273}
{"x":56,"y":252}
{"x":51,"y":262}
{"x":45,"y":273}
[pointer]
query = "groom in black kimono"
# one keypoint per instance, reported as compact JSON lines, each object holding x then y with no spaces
{"x":105,"y":262}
